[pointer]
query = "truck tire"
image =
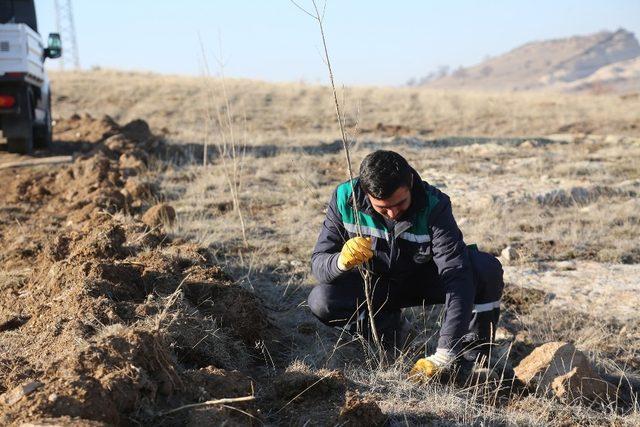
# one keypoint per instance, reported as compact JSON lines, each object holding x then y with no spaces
{"x":20,"y":132}
{"x":20,"y":145}
{"x":43,"y":134}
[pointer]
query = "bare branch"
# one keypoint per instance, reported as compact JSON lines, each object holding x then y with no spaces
{"x":230,"y":154}
{"x":364,"y":270}
{"x":304,"y":10}
{"x":37,"y":162}
{"x":211,"y":402}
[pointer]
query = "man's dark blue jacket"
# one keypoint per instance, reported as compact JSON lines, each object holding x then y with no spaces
{"x":427,"y":233}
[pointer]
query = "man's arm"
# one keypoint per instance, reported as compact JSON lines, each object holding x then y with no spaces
{"x":324,"y":260}
{"x":454,"y":267}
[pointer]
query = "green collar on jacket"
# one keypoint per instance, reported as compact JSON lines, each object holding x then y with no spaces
{"x":415,"y":228}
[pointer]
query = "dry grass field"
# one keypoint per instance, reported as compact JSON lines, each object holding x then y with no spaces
{"x":297,"y":113}
{"x":556,"y":177}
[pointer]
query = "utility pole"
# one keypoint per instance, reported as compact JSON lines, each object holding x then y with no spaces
{"x":67,"y":29}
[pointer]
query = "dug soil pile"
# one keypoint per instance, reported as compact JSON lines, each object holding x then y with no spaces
{"x":104,"y":318}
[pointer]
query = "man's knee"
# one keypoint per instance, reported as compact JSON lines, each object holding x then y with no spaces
{"x":334,"y":305}
{"x":489,"y":276}
{"x":495,"y":276}
{"x":318,"y":302}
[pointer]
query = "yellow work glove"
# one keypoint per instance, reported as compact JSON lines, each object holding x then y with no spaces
{"x":432,"y":366}
{"x":355,"y":252}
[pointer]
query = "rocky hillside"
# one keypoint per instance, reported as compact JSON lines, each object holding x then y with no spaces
{"x":605,"y":61}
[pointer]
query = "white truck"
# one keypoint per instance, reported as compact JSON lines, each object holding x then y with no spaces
{"x":25,"y":98}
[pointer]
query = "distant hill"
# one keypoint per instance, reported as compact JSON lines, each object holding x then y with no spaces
{"x":604,"y":61}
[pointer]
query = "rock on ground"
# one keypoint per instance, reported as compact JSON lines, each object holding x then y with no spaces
{"x":579,"y":385}
{"x":509,"y":254}
{"x":559,"y":368}
{"x":159,"y":214}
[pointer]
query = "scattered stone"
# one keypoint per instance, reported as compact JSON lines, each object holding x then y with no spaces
{"x":558,"y":368}
{"x":612,"y":139}
{"x":547,"y":362}
{"x":16,"y":394}
{"x":160,"y":214}
{"x":578,"y":385}
{"x":566,"y":266}
{"x":361,"y":411}
{"x":503,"y":334}
{"x":530,"y":143}
{"x":509,"y":254}
{"x":523,"y":337}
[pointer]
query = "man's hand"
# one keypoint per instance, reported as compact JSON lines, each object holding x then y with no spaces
{"x":432,"y":366}
{"x":355,"y":252}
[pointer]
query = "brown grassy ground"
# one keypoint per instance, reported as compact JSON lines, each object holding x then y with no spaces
{"x":295,"y":113}
{"x":571,"y":249}
{"x":554,"y":176}
{"x":567,"y":201}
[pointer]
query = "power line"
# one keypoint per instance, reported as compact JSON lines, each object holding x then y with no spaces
{"x":67,"y":29}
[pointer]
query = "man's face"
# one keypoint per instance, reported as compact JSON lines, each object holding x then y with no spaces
{"x":394,"y":206}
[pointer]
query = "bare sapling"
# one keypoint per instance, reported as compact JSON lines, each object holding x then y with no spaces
{"x":230,"y":146}
{"x":364,"y":270}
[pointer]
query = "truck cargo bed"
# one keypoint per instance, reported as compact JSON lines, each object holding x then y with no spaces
{"x":15,"y":40}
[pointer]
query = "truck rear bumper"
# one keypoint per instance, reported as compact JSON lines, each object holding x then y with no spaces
{"x":18,"y":94}
{"x":20,"y":78}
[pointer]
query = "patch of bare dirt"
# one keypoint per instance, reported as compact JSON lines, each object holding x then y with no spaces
{"x":361,"y":411}
{"x":85,"y":128}
{"x":522,"y":300}
{"x":105,"y":319}
{"x":302,"y":395}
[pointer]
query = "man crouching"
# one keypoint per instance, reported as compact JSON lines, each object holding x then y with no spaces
{"x":417,"y":256}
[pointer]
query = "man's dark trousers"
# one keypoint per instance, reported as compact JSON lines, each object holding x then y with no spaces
{"x":341,"y":302}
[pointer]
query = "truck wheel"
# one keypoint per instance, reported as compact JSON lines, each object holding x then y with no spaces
{"x":20,"y":145}
{"x":43,"y":134}
{"x":20,"y":133}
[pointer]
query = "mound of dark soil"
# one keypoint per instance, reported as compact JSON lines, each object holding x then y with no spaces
{"x":522,"y":300}
{"x":361,"y":411}
{"x":306,"y":396}
{"x":108,"y":320}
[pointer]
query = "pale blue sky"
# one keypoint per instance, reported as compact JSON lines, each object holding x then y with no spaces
{"x":371,"y":42}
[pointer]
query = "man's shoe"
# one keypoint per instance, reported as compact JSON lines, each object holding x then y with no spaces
{"x":394,"y":331}
{"x":476,"y":353}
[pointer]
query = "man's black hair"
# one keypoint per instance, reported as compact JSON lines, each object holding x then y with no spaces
{"x":383,"y":172}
